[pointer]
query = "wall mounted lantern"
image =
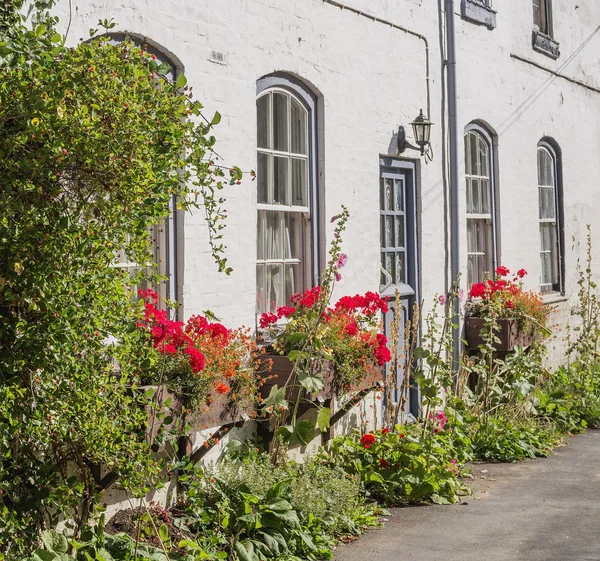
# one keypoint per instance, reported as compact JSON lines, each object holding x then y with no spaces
{"x":421,"y":132}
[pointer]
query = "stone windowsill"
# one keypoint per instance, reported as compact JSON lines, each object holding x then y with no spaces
{"x":544,"y":44}
{"x":550,"y":298}
{"x":476,"y":11}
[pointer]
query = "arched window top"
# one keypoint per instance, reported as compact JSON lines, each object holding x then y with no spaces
{"x":162,"y":54}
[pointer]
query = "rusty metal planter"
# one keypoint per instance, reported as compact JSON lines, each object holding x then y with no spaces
{"x":510,"y":334}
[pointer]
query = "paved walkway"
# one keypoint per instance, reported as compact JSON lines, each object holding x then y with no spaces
{"x":539,"y":510}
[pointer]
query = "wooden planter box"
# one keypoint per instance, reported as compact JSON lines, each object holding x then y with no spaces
{"x":220,"y":412}
{"x":281,"y":372}
{"x":510,"y":334}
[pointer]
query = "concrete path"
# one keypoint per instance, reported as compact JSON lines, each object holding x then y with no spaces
{"x":539,"y":510}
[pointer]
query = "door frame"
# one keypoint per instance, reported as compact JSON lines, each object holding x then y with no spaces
{"x":409,"y":169}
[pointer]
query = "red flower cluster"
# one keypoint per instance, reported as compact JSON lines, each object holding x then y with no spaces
{"x":381,"y":353}
{"x":367,"y":440}
{"x":369,"y":304}
{"x":308,"y":299}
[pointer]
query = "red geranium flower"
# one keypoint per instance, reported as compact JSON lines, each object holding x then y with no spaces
{"x":385,"y":430}
{"x":477,"y":290}
{"x":367,"y":440}
{"x":383,"y":463}
{"x":521,"y":273}
{"x":502,"y":271}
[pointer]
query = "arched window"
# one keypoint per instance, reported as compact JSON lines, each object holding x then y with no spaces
{"x":481,"y":204}
{"x":550,"y":211}
{"x":286,"y":198}
{"x":163,"y":234}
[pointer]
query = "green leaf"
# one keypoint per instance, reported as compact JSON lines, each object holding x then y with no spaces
{"x":181,"y":81}
{"x":276,"y":397}
{"x":245,"y":551}
{"x":324,"y":418}
{"x":374,"y":476}
{"x":55,"y":541}
{"x":216,"y":119}
{"x":163,"y":532}
{"x":312,"y":384}
{"x":303,"y":432}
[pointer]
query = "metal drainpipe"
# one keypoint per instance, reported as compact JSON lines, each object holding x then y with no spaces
{"x":453,"y":164}
{"x":399,"y":28}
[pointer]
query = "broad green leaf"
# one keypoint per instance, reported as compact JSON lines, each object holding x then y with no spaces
{"x":312,"y":384}
{"x":54,"y":541}
{"x":216,"y":119}
{"x":163,"y":532}
{"x":303,"y":432}
{"x":324,"y":418}
{"x":181,"y":81}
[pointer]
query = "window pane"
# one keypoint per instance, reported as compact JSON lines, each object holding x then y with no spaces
{"x":280,"y":185}
{"x":484,"y":265}
{"x":400,"y":267}
{"x":469,"y":197}
{"x":261,"y":235}
{"x":486,"y":208}
{"x":388,"y":190}
{"x":471,"y":236}
{"x":299,"y":118}
{"x":292,"y":281}
{"x":261,"y":282}
{"x":483,"y":156}
{"x":299,"y":182}
{"x":547,"y":202}
{"x":475,"y":164}
{"x":263,"y":176}
{"x":262,"y":124}
{"x":274,"y":287}
{"x":389,"y":266}
{"x":389,"y":231}
{"x":292,"y":235}
{"x":467,"y":156}
{"x":475,"y":196}
{"x":472,"y":270}
{"x":399,"y":195}
{"x":274,"y":237}
{"x":400,"y":231}
{"x":280,"y":122}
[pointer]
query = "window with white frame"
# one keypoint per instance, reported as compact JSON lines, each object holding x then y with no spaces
{"x":549,"y":217}
{"x":393,"y":229}
{"x":284,"y":171}
{"x":481,"y":230}
{"x":163,"y":234}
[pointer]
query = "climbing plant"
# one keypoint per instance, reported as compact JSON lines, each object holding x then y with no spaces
{"x":94,"y":145}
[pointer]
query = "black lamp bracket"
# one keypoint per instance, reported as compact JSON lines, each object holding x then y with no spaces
{"x":403,"y":144}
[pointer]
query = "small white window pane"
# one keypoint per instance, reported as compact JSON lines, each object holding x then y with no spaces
{"x":274,"y":287}
{"x":399,"y":231}
{"x":292,"y":281}
{"x":262,"y":125}
{"x":469,"y":197}
{"x":274,"y":238}
{"x":299,"y":117}
{"x":483,"y":157}
{"x":472,"y":269}
{"x":261,"y":235}
{"x":293,"y":235}
{"x":467,"y":156}
{"x":475,"y":162}
{"x":299,"y":182}
{"x":280,"y":183}
{"x":485,"y":197}
{"x":261,"y":288}
{"x":483,"y":266}
{"x":263,"y":177}
{"x":280,"y":121}
{"x":476,"y":196}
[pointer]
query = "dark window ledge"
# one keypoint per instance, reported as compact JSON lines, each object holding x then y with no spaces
{"x":544,"y":44}
{"x":478,"y":12}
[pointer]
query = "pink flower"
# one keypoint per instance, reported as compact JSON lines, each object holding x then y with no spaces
{"x":342,"y":260}
{"x":334,"y":218}
{"x":442,"y":299}
{"x":338,"y":277}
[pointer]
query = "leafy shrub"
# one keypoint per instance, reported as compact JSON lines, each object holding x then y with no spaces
{"x":407,"y":465}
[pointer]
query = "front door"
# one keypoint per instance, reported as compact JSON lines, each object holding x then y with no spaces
{"x":399,"y":256}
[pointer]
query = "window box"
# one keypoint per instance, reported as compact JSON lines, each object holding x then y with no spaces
{"x":544,"y":44}
{"x":281,"y":373}
{"x":510,"y":334}
{"x":478,"y":11}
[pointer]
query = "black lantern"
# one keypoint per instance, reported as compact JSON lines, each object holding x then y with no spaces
{"x":421,"y":131}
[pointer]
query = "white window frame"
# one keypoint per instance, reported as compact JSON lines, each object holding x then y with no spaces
{"x":557,"y":284}
{"x":490,"y":219}
{"x":542,"y":16}
{"x":308,"y":261}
